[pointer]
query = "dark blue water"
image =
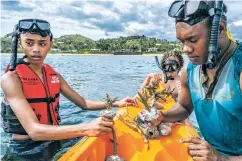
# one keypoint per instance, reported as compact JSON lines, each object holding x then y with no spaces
{"x":92,"y":77}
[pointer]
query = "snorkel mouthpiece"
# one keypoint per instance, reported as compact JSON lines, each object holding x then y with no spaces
{"x":212,"y":59}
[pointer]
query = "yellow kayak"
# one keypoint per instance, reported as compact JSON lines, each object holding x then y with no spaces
{"x":131,"y":144}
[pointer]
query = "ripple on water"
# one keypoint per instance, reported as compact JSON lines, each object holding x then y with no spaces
{"x":92,"y":116}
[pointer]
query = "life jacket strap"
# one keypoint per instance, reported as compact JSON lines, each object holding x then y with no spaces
{"x":47,"y":99}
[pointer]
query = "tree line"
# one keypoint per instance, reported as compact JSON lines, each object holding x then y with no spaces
{"x":80,"y":44}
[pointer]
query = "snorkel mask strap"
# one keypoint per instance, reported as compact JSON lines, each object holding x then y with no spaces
{"x":213,"y":50}
{"x":165,"y":79}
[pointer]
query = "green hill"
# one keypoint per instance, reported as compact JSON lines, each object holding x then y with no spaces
{"x":73,"y":43}
{"x":81,"y":44}
{"x":5,"y":45}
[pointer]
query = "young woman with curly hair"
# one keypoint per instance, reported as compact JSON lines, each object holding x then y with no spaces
{"x":171,"y":62}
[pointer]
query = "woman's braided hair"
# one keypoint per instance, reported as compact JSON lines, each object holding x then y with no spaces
{"x":176,"y":54}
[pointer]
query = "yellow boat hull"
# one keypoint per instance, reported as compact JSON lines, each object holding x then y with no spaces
{"x":131,"y":145}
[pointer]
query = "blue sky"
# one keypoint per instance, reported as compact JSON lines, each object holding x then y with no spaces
{"x":106,"y":19}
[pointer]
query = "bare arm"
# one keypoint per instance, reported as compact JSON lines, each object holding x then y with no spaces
{"x":231,"y":158}
{"x":12,"y":89}
{"x":183,"y":108}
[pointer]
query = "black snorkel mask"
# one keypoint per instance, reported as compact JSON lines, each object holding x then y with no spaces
{"x":193,"y":12}
{"x":171,"y":66}
{"x":190,"y":12}
{"x":33,"y":26}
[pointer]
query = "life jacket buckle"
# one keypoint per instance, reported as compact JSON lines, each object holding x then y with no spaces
{"x":52,"y":99}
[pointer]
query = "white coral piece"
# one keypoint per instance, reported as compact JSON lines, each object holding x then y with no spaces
{"x":114,"y":158}
{"x":149,"y":116}
{"x":164,"y":129}
{"x":108,"y":114}
{"x":151,"y":132}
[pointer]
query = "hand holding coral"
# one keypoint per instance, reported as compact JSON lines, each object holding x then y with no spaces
{"x":99,"y":126}
{"x":128,"y":101}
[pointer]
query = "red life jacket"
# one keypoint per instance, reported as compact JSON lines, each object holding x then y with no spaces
{"x":42,"y":97}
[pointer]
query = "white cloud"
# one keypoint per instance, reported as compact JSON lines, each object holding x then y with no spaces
{"x":61,"y":20}
{"x":238,"y":23}
{"x":164,"y":3}
{"x":134,"y":26}
{"x":29,"y":4}
{"x":123,"y":6}
{"x":95,"y":18}
{"x":92,"y":8}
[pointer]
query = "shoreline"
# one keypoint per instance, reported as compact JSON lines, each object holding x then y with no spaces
{"x":70,"y":54}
